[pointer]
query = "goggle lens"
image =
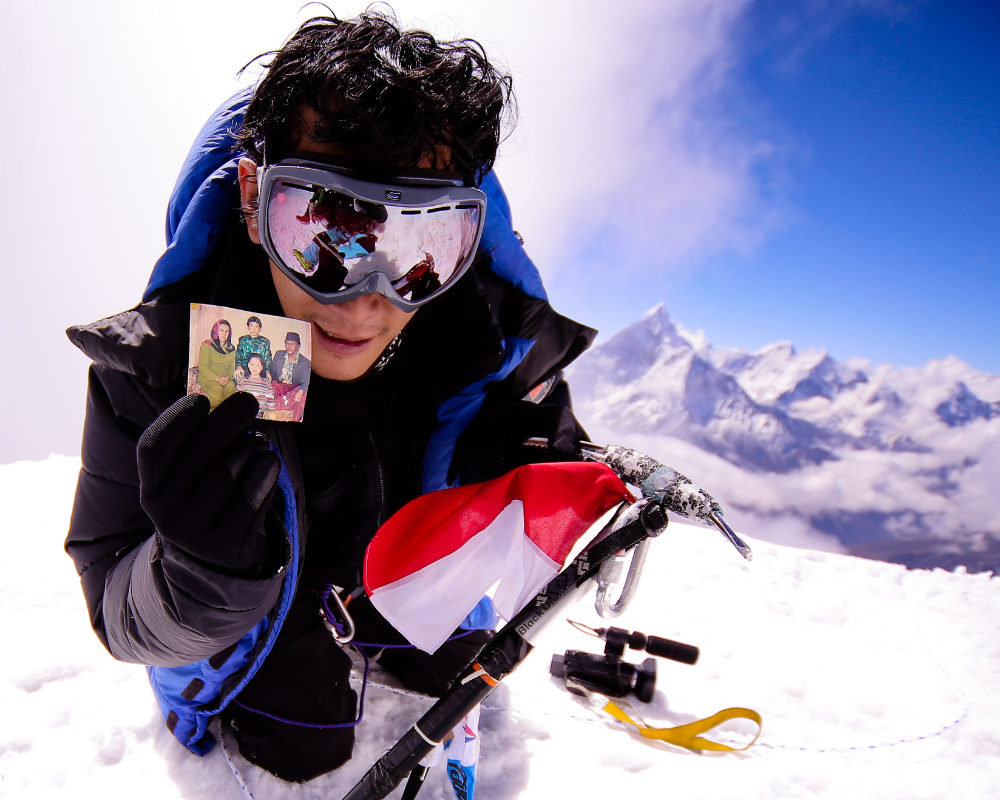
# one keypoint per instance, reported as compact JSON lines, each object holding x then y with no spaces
{"x":333,"y":241}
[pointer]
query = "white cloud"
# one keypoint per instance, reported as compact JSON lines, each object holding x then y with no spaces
{"x":104,"y":98}
{"x":621,"y":153}
{"x":623,"y":150}
{"x":797,"y":27}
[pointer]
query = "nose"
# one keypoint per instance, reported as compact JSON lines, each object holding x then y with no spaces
{"x":360,"y":311}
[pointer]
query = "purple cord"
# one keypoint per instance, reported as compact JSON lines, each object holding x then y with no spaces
{"x":328,"y":614}
{"x":361,"y":706}
{"x":398,"y":646}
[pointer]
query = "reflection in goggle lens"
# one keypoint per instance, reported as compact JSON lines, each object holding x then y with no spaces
{"x":333,"y":241}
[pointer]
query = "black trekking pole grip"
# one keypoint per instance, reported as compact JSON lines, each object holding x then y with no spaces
{"x":392,"y":768}
{"x":495,"y":661}
{"x":668,"y":648}
{"x":405,"y":756}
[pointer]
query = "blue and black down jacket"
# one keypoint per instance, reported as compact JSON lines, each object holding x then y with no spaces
{"x":203,"y":634}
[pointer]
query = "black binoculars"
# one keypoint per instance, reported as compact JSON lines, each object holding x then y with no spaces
{"x":608,"y":674}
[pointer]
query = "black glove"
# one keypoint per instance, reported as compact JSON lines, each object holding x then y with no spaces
{"x":207,"y":481}
{"x":494,"y":443}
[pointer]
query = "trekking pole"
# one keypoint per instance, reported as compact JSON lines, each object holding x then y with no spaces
{"x":663,"y":489}
{"x":506,"y":650}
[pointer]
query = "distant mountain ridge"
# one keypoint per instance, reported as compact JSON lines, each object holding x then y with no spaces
{"x":790,"y":418}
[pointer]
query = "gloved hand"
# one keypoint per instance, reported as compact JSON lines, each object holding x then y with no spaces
{"x":494,"y":443}
{"x":207,"y":481}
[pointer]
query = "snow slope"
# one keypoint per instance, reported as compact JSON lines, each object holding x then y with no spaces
{"x":802,"y":446}
{"x":873,"y":682}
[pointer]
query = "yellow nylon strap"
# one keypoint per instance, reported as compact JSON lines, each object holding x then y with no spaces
{"x":687,"y":735}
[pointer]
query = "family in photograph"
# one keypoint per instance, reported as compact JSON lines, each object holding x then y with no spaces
{"x":279,"y":384}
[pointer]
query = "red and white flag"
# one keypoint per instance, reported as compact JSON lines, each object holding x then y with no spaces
{"x":430,"y":564}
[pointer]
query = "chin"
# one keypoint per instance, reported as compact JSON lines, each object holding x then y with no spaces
{"x":341,"y":369}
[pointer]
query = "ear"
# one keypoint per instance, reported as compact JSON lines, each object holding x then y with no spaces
{"x":248,"y":197}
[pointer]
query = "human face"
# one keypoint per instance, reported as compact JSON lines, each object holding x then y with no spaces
{"x":256,"y":366}
{"x":224,"y":332}
{"x":254,"y":329}
{"x":347,"y":338}
{"x":291,"y":347}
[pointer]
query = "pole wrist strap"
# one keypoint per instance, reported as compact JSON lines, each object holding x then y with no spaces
{"x":687,"y":735}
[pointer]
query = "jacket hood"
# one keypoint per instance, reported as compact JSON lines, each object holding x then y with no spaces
{"x":201,"y":218}
{"x":206,"y":198}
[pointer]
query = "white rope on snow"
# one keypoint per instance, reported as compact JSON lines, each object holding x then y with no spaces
{"x":229,"y":759}
{"x":615,"y":723}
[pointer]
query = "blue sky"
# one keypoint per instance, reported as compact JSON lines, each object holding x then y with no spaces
{"x":881,"y":167}
{"x":819,"y":171}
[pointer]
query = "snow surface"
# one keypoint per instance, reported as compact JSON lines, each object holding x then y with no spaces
{"x":873,"y":682}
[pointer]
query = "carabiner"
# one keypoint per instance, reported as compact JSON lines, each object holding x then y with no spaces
{"x":610,"y":575}
{"x":345,"y":620}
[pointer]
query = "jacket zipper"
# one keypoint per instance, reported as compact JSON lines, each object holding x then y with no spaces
{"x":381,"y":482}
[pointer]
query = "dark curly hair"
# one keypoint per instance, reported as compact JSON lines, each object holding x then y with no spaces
{"x":390,"y":94}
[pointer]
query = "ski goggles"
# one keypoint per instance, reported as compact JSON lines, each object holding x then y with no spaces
{"x":338,"y":237}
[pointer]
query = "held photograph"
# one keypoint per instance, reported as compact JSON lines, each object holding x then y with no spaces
{"x":231,"y":350}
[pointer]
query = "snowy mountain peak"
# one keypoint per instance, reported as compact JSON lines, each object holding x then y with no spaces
{"x":964,"y":407}
{"x":649,"y":377}
{"x":783,"y":346}
{"x":899,"y":432}
{"x":657,"y":328}
{"x":633,"y":351}
{"x":775,"y":371}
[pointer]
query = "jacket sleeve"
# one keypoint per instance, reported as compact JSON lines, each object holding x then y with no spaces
{"x":149,"y":601}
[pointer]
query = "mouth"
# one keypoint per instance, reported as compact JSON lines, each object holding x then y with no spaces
{"x":341,"y":345}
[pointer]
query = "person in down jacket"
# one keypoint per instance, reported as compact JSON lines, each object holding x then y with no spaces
{"x":207,"y":543}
